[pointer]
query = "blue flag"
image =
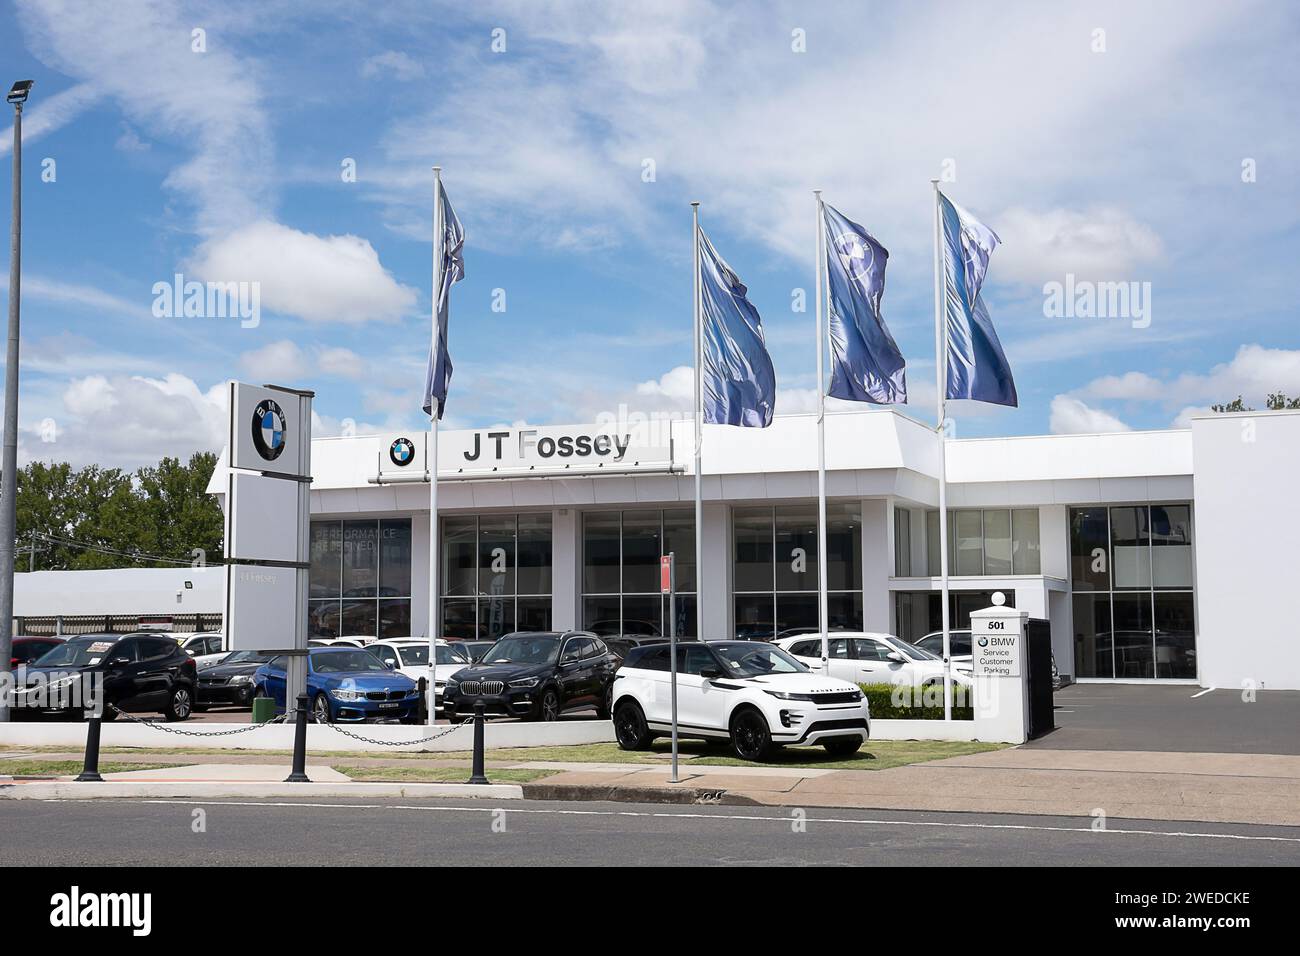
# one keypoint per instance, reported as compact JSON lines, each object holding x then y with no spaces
{"x":866,"y":365}
{"x":977,"y":366}
{"x":438,"y":376}
{"x":738,"y":381}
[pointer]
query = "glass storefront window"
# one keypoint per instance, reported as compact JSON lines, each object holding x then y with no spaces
{"x":620,"y":571}
{"x":997,"y":542}
{"x":354,"y":564}
{"x":1130,"y":547}
{"x":992,"y":541}
{"x":1089,"y":549}
{"x":496,"y":574}
{"x":1025,"y":547}
{"x":918,"y":613}
{"x":774,"y":568}
{"x":902,"y":543}
{"x":1171,"y":546}
{"x":1093,"y":640}
{"x":1133,"y":601}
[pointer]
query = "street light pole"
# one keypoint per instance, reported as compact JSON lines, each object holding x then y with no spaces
{"x":9,"y":463}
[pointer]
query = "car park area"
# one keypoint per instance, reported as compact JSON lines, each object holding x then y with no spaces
{"x":1173,"y":718}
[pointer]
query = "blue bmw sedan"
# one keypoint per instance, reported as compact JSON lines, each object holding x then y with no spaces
{"x":345,"y":684}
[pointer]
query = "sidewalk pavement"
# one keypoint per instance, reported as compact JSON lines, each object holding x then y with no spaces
{"x":1212,"y":788}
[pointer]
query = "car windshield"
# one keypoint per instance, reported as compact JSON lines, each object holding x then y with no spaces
{"x":339,"y":662}
{"x":757,"y":660}
{"x":523,"y":650}
{"x":246,"y":657}
{"x":911,"y":650}
{"x":78,"y":652}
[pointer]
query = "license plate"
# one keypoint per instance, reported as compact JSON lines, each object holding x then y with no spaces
{"x":389,"y":706}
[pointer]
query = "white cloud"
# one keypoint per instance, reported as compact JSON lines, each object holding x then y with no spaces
{"x":281,"y":361}
{"x":1104,"y":243}
{"x":342,"y":363}
{"x":43,"y":115}
{"x":130,"y":142}
{"x":401,"y":66}
{"x":1071,"y":416}
{"x":330,"y":279}
{"x":129,"y":421}
{"x":1253,"y":373}
{"x":138,"y":53}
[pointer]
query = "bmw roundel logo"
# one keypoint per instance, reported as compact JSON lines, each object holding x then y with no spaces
{"x":983,"y":642}
{"x":269,"y":431}
{"x":856,"y":256}
{"x":401,"y":451}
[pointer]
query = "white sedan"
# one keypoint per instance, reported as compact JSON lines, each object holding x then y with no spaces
{"x":410,"y":656}
{"x":870,"y":658}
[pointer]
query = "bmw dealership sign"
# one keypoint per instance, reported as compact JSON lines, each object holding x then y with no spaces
{"x":266,"y":430}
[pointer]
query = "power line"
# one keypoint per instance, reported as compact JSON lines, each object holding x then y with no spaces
{"x":105,"y":549}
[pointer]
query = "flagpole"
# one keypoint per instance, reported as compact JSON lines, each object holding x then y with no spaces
{"x":823,"y":614}
{"x":699,"y":428}
{"x":439,"y":228}
{"x":941,"y":402}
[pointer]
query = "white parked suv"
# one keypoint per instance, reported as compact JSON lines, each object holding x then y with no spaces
{"x":410,"y":656}
{"x":749,"y":692}
{"x":868,"y":658}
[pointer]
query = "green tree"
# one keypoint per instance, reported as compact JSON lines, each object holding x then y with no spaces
{"x":1277,"y":401}
{"x":105,"y":518}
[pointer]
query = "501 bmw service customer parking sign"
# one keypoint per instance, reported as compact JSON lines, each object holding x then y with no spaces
{"x":995,"y":644}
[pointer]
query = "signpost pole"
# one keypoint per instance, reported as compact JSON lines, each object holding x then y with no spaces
{"x":668,"y":585}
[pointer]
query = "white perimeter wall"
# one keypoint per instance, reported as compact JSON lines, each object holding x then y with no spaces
{"x":1247,"y":527}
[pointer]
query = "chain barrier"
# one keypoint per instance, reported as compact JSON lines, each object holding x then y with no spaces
{"x":394,"y":743}
{"x":167,"y":728}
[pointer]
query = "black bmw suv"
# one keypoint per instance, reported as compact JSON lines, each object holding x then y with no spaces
{"x":536,"y":675}
{"x":136,"y":673}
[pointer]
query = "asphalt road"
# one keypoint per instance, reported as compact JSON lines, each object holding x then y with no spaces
{"x":1176,"y":718}
{"x":477,"y":833}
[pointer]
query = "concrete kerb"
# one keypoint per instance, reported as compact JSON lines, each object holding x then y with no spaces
{"x":320,"y":739}
{"x":181,"y":790}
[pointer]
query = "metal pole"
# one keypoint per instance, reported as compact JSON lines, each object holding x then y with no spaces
{"x":9,"y":463}
{"x":90,"y":767}
{"x":941,"y":366}
{"x":823,"y":613}
{"x":699,"y":429}
{"x":299,"y":772}
{"x":672,"y":649}
{"x":477,"y":774}
{"x":438,"y":230}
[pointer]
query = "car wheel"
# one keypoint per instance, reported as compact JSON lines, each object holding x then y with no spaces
{"x":548,"y":708}
{"x":320,"y":710}
{"x":180,"y":703}
{"x":750,"y":737}
{"x":842,"y":746}
{"x":630,"y":729}
{"x":605,"y":707}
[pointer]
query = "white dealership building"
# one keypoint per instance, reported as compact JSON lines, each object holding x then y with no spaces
{"x":1158,"y":555}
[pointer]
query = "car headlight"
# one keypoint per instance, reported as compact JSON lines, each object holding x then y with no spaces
{"x":341,"y":693}
{"x":525,"y":682}
{"x":451,"y":686}
{"x":242,"y":679}
{"x":786,"y":695}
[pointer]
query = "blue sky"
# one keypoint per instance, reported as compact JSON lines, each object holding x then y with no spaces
{"x":1101,"y":141}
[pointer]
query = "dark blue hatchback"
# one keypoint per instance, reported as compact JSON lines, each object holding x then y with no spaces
{"x":345,"y":684}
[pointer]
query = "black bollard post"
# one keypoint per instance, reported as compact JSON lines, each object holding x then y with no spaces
{"x":299,"y":773}
{"x":90,"y":770}
{"x":477,"y":775}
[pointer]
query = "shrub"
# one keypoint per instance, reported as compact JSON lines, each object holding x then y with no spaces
{"x":903,"y":702}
